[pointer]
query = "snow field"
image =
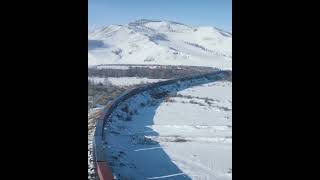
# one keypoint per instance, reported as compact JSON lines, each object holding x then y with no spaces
{"x":186,"y":135}
{"x":124,"y":81}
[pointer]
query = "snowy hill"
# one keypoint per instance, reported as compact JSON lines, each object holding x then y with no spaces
{"x":160,"y":42}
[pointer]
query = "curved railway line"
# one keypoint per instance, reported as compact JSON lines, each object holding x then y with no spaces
{"x":103,"y":171}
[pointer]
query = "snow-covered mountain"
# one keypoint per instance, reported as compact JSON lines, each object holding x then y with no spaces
{"x":160,"y":42}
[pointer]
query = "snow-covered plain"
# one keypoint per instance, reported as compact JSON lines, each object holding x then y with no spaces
{"x":160,"y":42}
{"x":123,"y":67}
{"x":173,"y":132}
{"x":123,"y":81}
{"x":92,"y":116}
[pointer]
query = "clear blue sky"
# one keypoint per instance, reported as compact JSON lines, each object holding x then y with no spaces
{"x":216,"y":13}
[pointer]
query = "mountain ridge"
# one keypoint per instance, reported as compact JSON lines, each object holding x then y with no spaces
{"x":160,"y":42}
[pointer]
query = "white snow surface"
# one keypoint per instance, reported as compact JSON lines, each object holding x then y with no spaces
{"x":185,"y":136}
{"x":160,"y":42}
{"x":124,"y":67}
{"x":92,"y":116}
{"x":124,"y":81}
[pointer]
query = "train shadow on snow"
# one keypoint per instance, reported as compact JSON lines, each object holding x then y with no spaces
{"x":131,"y":154}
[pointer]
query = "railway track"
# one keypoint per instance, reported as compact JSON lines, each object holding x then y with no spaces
{"x":103,"y":171}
